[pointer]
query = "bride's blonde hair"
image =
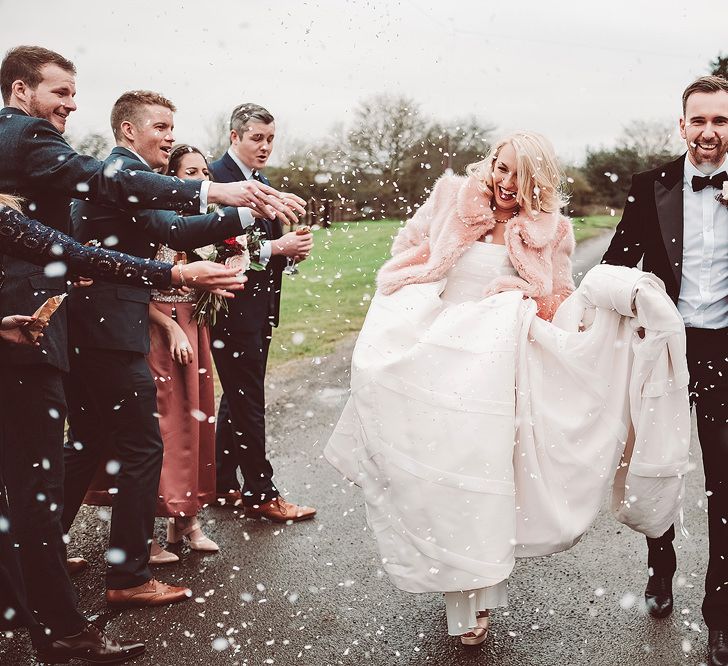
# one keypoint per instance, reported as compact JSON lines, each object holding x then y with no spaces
{"x":10,"y":201}
{"x":540,"y":179}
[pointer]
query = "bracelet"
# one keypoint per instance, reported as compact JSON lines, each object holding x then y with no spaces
{"x":181,"y":274}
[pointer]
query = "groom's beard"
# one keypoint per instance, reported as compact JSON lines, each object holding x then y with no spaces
{"x":708,"y":161}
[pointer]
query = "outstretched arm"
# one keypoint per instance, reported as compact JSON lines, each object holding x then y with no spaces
{"x":181,"y":232}
{"x":50,"y":161}
{"x":32,"y":241}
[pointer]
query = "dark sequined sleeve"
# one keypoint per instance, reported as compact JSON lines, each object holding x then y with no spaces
{"x":32,"y":241}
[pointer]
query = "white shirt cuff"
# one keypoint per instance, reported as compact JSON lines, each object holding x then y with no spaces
{"x":246,"y":217}
{"x":204,"y":189}
{"x":265,"y":253}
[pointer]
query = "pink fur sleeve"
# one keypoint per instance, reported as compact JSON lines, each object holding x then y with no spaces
{"x":417,"y":228}
{"x":563,"y":281}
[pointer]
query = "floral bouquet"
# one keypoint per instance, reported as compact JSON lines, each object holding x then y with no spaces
{"x":237,"y":252}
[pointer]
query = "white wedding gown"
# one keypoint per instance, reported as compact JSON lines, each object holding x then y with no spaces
{"x":447,"y":376}
{"x":466,"y":281}
{"x":459,"y":474}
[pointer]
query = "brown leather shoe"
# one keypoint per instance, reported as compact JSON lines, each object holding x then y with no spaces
{"x":280,"y":511}
{"x":92,"y":646}
{"x":75,"y":565}
{"x":151,"y":593}
{"x":230,"y":498}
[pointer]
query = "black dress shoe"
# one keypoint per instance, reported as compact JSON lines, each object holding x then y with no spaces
{"x":718,"y":647}
{"x":658,"y":596}
{"x":91,"y":645}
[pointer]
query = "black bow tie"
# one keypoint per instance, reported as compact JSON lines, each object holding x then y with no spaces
{"x":716,"y":180}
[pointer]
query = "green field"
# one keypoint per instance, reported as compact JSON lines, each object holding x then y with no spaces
{"x":330,"y":296}
{"x":587,"y":227}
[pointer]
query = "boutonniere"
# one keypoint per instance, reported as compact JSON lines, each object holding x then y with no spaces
{"x":722,"y":197}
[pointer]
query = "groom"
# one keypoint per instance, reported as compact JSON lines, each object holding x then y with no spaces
{"x":676,"y":221}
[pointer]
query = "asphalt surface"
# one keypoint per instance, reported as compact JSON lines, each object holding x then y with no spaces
{"x":313,"y":593}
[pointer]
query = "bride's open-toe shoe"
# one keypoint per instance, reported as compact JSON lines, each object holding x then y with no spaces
{"x":477,"y":635}
{"x":193,"y":533}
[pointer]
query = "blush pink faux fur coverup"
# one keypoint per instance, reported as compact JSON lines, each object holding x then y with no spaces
{"x":455,"y":215}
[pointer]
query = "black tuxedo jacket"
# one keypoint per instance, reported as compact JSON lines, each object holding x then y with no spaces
{"x":38,"y":165}
{"x":259,"y":303}
{"x":651,"y":227}
{"x":108,"y":316}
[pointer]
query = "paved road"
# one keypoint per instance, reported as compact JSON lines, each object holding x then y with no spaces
{"x":314,"y":594}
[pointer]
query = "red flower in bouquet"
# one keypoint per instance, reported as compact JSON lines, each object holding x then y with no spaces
{"x":235,"y":251}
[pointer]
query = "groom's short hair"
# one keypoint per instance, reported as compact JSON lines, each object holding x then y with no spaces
{"x":130,"y":105}
{"x":707,"y":84}
{"x":23,"y":63}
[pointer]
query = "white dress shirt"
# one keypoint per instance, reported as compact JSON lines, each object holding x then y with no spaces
{"x":246,"y":217}
{"x":703,"y":301}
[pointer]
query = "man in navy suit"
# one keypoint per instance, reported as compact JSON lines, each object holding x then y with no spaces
{"x":241,"y":337}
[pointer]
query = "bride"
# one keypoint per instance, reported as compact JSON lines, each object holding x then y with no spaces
{"x":497,"y":231}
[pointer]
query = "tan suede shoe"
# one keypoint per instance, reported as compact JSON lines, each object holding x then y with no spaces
{"x":231,"y":498}
{"x":151,"y":593}
{"x":280,"y":511}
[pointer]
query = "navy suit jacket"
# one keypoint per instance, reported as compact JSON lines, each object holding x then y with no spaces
{"x":108,"y":316}
{"x":258,"y":305}
{"x":651,"y":227}
{"x":38,"y":164}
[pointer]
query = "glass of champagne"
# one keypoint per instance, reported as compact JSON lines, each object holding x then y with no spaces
{"x":290,"y":268}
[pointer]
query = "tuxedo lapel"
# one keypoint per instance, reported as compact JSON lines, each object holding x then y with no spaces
{"x":669,"y":204}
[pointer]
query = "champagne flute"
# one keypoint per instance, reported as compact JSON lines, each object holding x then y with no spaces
{"x":290,"y":268}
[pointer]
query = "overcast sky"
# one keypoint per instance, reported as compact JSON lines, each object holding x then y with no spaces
{"x":576,"y":71}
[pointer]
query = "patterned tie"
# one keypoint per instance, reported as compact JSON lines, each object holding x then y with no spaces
{"x":716,"y":180}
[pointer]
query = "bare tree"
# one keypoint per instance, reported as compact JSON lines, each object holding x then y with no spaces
{"x":385,"y":130}
{"x":217,"y":136}
{"x":651,"y":140}
{"x":719,"y":66}
{"x":461,"y":142}
{"x":386,"y":137}
{"x":94,"y":144}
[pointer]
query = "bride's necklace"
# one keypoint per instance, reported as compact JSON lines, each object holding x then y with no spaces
{"x":488,"y":235}
{"x":507,"y":219}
